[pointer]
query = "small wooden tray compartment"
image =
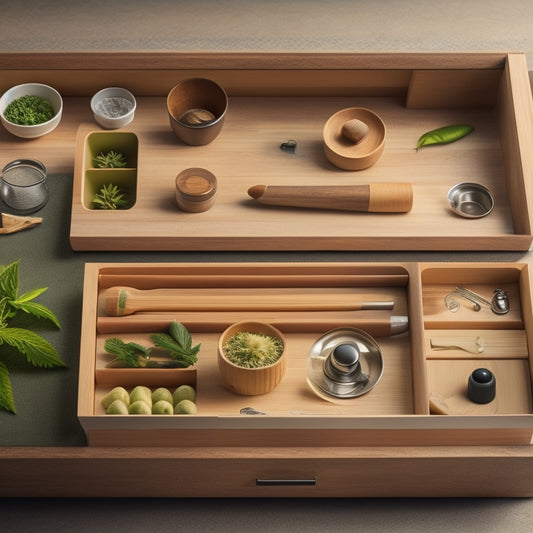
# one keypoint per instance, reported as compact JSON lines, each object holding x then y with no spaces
{"x":503,"y":340}
{"x":396,"y":411}
{"x":94,"y":178}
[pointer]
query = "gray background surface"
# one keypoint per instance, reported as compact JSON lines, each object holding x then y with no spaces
{"x":225,"y":25}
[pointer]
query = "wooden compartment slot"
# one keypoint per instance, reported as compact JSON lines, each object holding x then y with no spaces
{"x":398,"y":408}
{"x":459,"y":338}
{"x":99,"y":143}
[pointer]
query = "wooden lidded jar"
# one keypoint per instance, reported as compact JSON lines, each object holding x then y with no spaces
{"x":195,"y":190}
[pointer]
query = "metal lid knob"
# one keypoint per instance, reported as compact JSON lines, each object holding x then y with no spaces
{"x":343,"y":363}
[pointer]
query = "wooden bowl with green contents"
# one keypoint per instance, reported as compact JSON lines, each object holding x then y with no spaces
{"x":251,"y":358}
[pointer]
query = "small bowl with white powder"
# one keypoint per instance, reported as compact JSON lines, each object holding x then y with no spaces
{"x":113,"y":107}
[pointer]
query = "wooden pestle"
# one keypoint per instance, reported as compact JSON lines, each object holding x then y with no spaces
{"x":375,"y":197}
{"x":120,"y":301}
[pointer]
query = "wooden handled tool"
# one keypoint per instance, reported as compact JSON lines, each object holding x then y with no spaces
{"x":120,"y":301}
{"x":375,"y":197}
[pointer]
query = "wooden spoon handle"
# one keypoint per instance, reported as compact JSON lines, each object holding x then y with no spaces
{"x":119,"y":301}
{"x":375,"y":197}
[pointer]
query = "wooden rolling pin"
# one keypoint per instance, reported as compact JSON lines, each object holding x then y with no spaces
{"x":120,"y":301}
{"x":375,"y":197}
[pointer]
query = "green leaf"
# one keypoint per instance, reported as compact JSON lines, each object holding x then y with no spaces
{"x":129,"y":354}
{"x":38,"y":351}
{"x":30,"y":295}
{"x":178,"y":343}
{"x":9,"y":281}
{"x":7,"y":401}
{"x":165,"y":341}
{"x":444,"y":135}
{"x":180,"y":334}
{"x":35,"y":309}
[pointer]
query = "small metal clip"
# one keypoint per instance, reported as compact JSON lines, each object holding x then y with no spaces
{"x":500,"y":302}
{"x":289,"y":146}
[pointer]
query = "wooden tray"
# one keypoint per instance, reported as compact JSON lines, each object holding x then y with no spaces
{"x":398,"y":409}
{"x":273,"y":98}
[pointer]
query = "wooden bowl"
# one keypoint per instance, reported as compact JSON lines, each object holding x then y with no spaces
{"x":251,"y":381}
{"x":347,"y":146}
{"x":196,"y":110}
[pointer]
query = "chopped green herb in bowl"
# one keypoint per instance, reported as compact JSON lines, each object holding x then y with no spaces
{"x":30,"y":110}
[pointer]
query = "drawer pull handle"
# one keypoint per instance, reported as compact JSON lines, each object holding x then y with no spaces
{"x":285,"y":482}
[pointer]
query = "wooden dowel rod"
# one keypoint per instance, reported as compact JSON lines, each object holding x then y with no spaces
{"x":154,"y":281}
{"x":374,"y":197}
{"x":378,"y":324}
{"x":119,"y":301}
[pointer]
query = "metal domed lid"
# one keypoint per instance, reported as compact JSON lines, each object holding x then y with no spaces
{"x":345,"y":363}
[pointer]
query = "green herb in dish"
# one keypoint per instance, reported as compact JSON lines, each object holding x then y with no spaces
{"x":110,"y":159}
{"x":444,"y":135}
{"x":29,"y":110}
{"x":38,"y":351}
{"x":253,"y":350}
{"x":109,"y":197}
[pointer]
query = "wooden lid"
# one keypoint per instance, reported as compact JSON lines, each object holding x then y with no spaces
{"x":196,"y":184}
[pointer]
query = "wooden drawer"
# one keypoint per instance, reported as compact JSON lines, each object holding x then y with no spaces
{"x":384,"y":471}
{"x":396,"y":411}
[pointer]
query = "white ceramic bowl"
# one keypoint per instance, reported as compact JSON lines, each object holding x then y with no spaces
{"x":32,"y":89}
{"x":113,"y":107}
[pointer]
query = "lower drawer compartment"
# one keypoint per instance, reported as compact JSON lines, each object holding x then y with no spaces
{"x":420,"y":399}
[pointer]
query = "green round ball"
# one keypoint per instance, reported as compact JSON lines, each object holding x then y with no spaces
{"x":185,"y":407}
{"x":162,"y":407}
{"x":139,"y":408}
{"x":118,"y":393}
{"x":143,"y":394}
{"x":117,"y":407}
{"x":161,"y":393}
{"x":184,"y":392}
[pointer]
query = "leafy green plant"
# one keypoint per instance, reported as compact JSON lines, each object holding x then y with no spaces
{"x":110,"y":159}
{"x":38,"y":351}
{"x":128,"y":354}
{"x":109,"y":197}
{"x":178,"y":342}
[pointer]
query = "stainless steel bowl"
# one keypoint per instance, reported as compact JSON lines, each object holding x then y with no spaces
{"x":470,"y":200}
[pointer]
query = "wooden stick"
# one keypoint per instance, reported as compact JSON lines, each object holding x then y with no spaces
{"x":377,"y":324}
{"x":120,"y":301}
{"x":13,"y":223}
{"x":376,"y":197}
{"x":209,"y":279}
